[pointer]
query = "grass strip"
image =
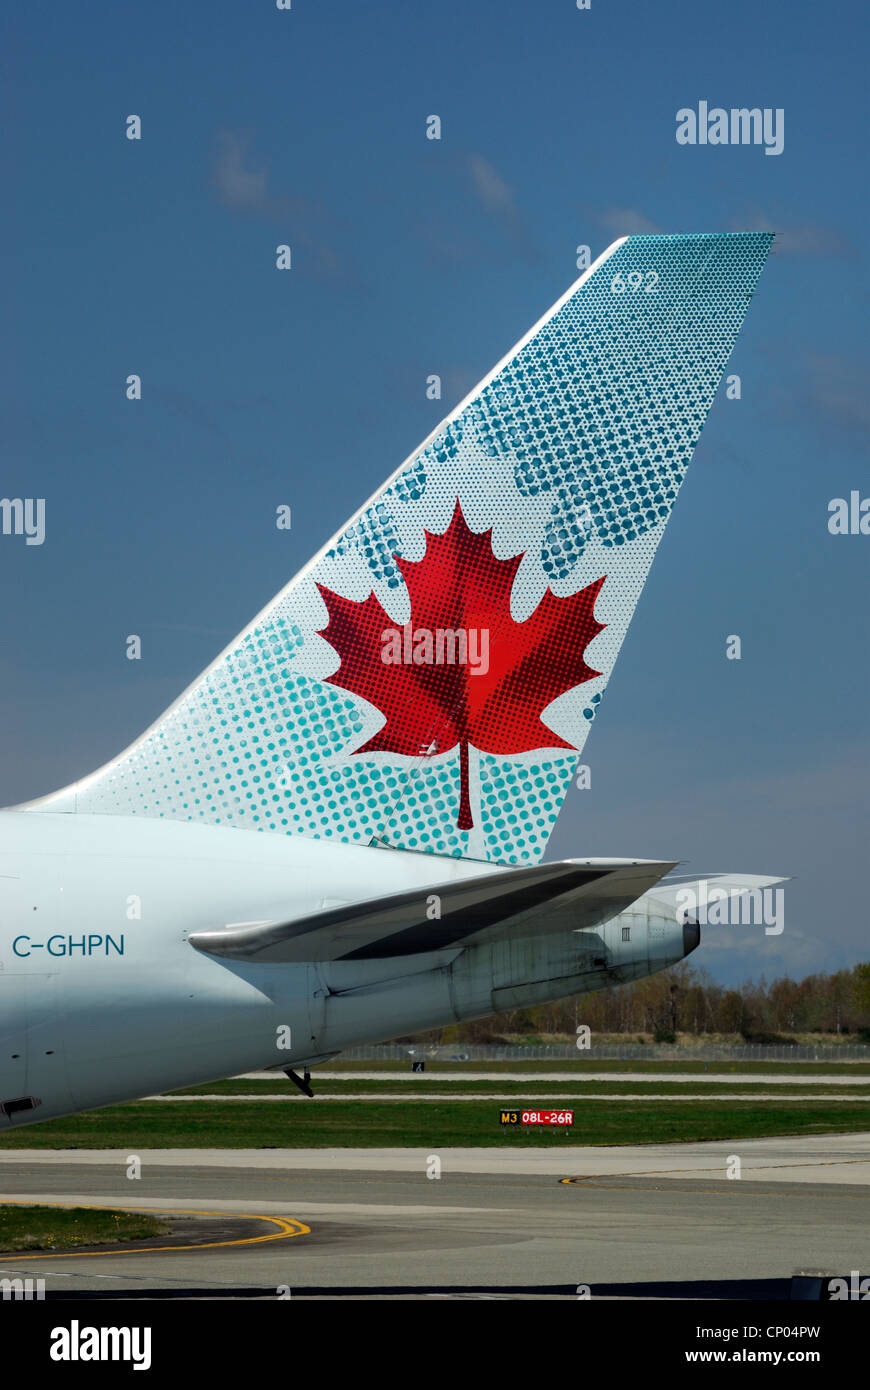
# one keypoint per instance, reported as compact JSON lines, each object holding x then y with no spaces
{"x":153,"y":1124}
{"x":70,"y":1228}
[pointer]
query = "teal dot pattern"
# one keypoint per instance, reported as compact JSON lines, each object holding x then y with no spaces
{"x":591,"y":709}
{"x":604,"y":409}
{"x":375,"y":534}
{"x":522,"y":801}
{"x":573,"y":452}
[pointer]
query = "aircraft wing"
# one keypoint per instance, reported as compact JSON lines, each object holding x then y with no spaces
{"x":543,"y":898}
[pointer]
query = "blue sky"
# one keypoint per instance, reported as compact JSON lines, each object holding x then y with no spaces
{"x":411,"y":257}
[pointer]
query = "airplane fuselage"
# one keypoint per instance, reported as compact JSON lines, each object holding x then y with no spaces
{"x":103,"y":998}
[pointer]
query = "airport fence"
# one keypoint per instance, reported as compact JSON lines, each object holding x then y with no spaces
{"x":610,"y":1052}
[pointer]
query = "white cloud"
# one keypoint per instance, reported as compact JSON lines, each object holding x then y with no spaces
{"x":806,"y":239}
{"x":237,"y":185}
{"x":627,"y":222}
{"x":490,"y":187}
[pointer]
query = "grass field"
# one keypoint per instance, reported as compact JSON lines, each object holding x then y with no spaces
{"x":57,"y":1228}
{"x":439,"y":1110}
{"x":201,"y":1124}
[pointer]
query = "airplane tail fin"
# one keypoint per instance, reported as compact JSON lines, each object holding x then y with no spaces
{"x":428,"y":680}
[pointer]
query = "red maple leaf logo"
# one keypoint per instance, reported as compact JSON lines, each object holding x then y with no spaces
{"x":462,"y":591}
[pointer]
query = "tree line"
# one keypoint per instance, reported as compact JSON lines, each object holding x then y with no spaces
{"x":686,"y":999}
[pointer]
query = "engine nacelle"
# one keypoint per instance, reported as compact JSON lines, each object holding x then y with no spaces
{"x":513,"y":973}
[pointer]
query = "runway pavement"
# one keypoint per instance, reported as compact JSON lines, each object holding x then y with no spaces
{"x":791,"y":1077}
{"x":656,"y":1221}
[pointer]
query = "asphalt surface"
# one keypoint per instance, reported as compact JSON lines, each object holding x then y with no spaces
{"x":658,"y":1221}
{"x":790,"y":1077}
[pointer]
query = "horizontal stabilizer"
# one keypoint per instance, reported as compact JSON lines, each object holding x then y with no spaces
{"x":673,"y":889}
{"x":565,"y":896}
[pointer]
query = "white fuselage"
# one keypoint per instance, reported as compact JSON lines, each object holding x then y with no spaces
{"x":103,"y":999}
